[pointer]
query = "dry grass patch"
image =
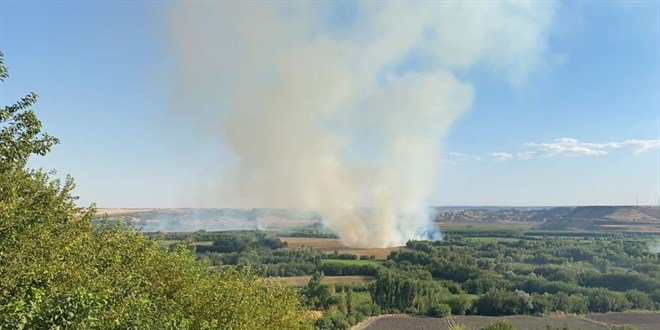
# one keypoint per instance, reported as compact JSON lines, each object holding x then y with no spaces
{"x":303,"y":280}
{"x":121,"y":211}
{"x":329,"y":245}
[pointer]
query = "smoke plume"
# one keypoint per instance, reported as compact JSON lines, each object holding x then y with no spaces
{"x":342,"y":109}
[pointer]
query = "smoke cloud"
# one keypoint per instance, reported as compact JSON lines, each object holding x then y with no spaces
{"x":342,"y":109}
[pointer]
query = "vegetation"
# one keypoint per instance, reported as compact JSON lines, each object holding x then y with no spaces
{"x":228,"y":242}
{"x":501,"y":272}
{"x":524,"y":276}
{"x":499,"y":325}
{"x":60,"y":271}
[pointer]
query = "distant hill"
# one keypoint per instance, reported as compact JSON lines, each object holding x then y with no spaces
{"x":498,"y":214}
{"x":589,"y":218}
{"x":620,"y":218}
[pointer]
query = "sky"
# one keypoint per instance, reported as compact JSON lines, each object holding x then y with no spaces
{"x":581,"y":129}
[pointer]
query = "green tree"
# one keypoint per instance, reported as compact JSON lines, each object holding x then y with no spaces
{"x":439,"y":310}
{"x":58,"y":270}
{"x":603,"y":300}
{"x":639,"y":299}
{"x":460,"y":304}
{"x":318,"y":293}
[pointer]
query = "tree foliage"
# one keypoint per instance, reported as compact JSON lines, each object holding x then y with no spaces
{"x":58,"y":270}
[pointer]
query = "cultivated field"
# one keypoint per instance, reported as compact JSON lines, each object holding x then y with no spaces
{"x":531,"y":322}
{"x":122,"y":211}
{"x":329,"y":245}
{"x":303,"y":280}
{"x":398,"y":321}
{"x":392,"y":322}
{"x":641,"y":321}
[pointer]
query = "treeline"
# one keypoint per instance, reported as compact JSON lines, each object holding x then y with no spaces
{"x":286,"y":262}
{"x":527,"y":276}
{"x":206,"y":236}
{"x":228,"y":242}
{"x":315,"y":233}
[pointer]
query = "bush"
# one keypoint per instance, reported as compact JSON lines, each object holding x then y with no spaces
{"x":499,"y":325}
{"x":439,"y":310}
{"x":460,"y":304}
{"x":603,"y":300}
{"x":499,"y":302}
{"x":639,"y":299}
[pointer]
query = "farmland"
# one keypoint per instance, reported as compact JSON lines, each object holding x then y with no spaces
{"x":334,"y":244}
{"x":530,"y":276}
{"x":641,"y":321}
{"x":303,"y":280}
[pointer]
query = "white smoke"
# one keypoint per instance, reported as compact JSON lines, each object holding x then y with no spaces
{"x":345,"y":118}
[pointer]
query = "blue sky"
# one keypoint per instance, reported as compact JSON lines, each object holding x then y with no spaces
{"x":103,"y":73}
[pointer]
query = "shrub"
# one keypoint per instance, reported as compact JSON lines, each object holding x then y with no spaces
{"x":439,"y":310}
{"x":499,"y":325}
{"x":603,"y":300}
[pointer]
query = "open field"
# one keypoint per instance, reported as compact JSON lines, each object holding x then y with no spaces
{"x":531,"y":322}
{"x":303,"y":280}
{"x":329,"y":245}
{"x":392,"y":322}
{"x":122,"y":211}
{"x":351,"y":262}
{"x":641,"y":321}
{"x":399,"y":321}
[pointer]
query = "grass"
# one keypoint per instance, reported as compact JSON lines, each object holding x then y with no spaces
{"x":351,"y":262}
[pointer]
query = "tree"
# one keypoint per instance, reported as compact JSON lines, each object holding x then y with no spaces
{"x":410,"y":291}
{"x":317,"y":293}
{"x":460,"y":304}
{"x":500,"y":302}
{"x":439,"y":310}
{"x":603,"y":300}
{"x":639,"y":299}
{"x":20,"y":131}
{"x":58,"y":270}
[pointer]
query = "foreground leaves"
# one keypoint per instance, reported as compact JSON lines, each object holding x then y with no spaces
{"x":59,"y":270}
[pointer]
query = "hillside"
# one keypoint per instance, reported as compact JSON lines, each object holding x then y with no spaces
{"x":619,"y":218}
{"x":591,"y":218}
